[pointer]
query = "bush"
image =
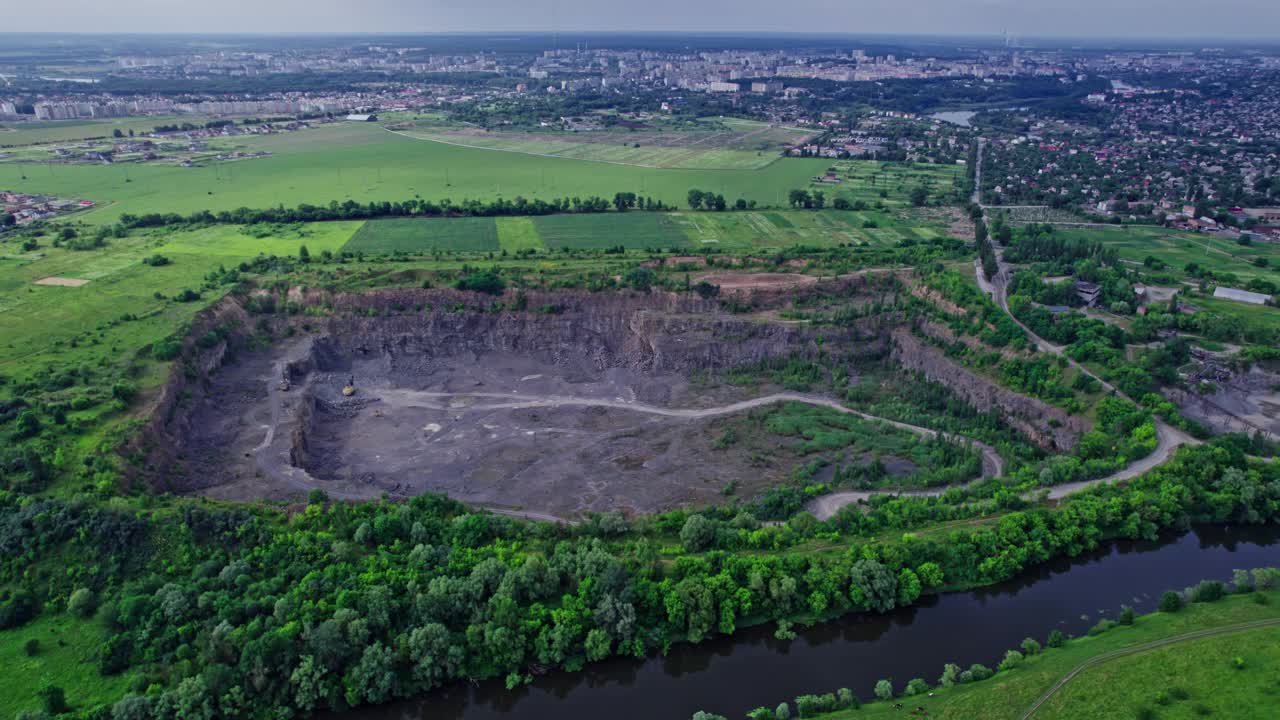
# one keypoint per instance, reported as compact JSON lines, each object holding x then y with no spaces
{"x":1126,"y":615}
{"x":31,"y":647}
{"x":482,"y":281}
{"x":1170,"y":602}
{"x":761,"y":713}
{"x":884,"y":689}
{"x":846,"y":699}
{"x":1012,"y":659}
{"x":1056,"y":639}
{"x":979,"y":672}
{"x":53,"y":699}
{"x":1102,"y":626}
{"x":1145,"y":713}
{"x":1030,"y":647}
{"x":916,"y":686}
{"x":1208,"y":591}
{"x":187,"y":295}
{"x":82,"y":603}
{"x":783,"y":712}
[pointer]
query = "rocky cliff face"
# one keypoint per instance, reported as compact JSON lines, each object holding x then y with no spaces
{"x":1049,"y":427}
{"x":155,"y":453}
{"x":404,"y":335}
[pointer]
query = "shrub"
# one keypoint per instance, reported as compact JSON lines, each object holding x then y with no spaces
{"x":783,"y":712}
{"x":1238,"y":663}
{"x":1030,"y":647}
{"x":761,"y":713}
{"x":1012,"y":659}
{"x":884,"y":689}
{"x":950,"y":675}
{"x":846,"y":699}
{"x":1126,"y":615}
{"x":1178,"y":693}
{"x":1145,"y":713}
{"x":1170,"y":602}
{"x":979,"y":672}
{"x":31,"y":647}
{"x":916,"y":686}
{"x":482,"y":281}
{"x":1208,"y":591}
{"x":1056,"y":639}
{"x":82,"y":603}
{"x":53,"y":699}
{"x":1102,"y":626}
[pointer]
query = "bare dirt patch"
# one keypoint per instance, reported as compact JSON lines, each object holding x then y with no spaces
{"x":730,"y":282}
{"x":61,"y":282}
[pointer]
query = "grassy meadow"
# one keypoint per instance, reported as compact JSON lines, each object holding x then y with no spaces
{"x":364,"y":162}
{"x":725,"y":144}
{"x":1178,"y":249}
{"x":1118,"y":689}
{"x":888,"y":183}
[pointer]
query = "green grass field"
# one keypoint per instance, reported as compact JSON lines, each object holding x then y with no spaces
{"x":1117,"y":688}
{"x":764,"y":230}
{"x":364,"y":162}
{"x":470,"y":234}
{"x":518,"y":233}
{"x":728,"y":144}
{"x":733,"y":231}
{"x":67,"y":658}
{"x":889,"y":183}
{"x":71,"y":326}
{"x":636,"y":231}
{"x":1177,"y":249}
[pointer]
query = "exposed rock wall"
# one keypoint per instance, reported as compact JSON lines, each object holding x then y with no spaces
{"x":1049,"y":427}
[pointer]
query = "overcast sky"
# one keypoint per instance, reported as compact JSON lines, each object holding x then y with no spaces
{"x":1079,"y":18}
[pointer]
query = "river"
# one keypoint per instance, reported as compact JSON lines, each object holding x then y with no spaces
{"x":955,"y":117}
{"x":731,"y":675}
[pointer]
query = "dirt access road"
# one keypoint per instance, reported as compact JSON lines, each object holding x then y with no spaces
{"x":823,"y":507}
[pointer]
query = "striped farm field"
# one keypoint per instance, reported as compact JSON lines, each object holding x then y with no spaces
{"x":634,"y":231}
{"x":414,"y":235}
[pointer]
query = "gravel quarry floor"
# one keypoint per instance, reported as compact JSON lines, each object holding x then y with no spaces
{"x":508,"y":432}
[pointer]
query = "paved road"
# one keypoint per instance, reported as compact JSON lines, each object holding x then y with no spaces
{"x":1170,"y":437}
{"x":1153,"y":645}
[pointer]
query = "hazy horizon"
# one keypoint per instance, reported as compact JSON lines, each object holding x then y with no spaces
{"x":1176,"y":20}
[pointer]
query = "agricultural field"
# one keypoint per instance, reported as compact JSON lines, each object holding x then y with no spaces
{"x":727,"y":144}
{"x":363,"y":162}
{"x":773,"y":230}
{"x":391,"y":235}
{"x":730,"y":231}
{"x":634,"y":231}
{"x":889,"y":183}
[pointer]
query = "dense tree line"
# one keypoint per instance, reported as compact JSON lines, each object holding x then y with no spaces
{"x":236,"y":613}
{"x":352,"y":210}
